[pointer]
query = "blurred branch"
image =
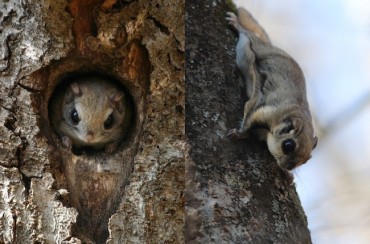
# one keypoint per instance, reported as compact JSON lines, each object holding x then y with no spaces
{"x":344,"y":117}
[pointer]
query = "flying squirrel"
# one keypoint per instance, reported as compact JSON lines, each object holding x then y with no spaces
{"x":90,"y":112}
{"x":277,"y":109}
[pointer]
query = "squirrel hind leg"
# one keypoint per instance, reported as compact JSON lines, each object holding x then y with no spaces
{"x":233,"y":21}
{"x":250,"y":24}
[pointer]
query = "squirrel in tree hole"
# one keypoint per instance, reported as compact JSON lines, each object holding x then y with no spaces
{"x":277,"y":110}
{"x":90,"y":112}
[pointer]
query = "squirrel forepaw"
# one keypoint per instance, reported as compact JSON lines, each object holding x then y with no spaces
{"x":233,"y":134}
{"x":288,"y":176}
{"x":67,"y":142}
{"x":111,"y":147}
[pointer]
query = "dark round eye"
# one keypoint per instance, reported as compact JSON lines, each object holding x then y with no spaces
{"x":288,"y":146}
{"x":108,"y":123}
{"x":74,"y":116}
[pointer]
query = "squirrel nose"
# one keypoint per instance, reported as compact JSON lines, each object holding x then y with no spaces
{"x":89,"y":136}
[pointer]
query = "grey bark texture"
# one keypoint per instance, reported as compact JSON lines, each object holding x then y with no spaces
{"x":235,"y":191}
{"x":47,"y":193}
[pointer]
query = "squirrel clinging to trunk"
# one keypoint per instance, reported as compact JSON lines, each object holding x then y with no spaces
{"x":277,"y":109}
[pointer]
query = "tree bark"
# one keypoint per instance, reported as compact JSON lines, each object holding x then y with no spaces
{"x":235,"y":191}
{"x":51,"y":195}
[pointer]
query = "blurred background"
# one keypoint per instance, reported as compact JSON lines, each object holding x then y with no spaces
{"x":331,"y":42}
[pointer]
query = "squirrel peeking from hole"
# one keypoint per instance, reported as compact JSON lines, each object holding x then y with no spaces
{"x":90,"y":112}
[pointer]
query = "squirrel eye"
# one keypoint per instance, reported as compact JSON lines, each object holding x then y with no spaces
{"x":74,"y":116}
{"x":108,"y":123}
{"x":288,"y":146}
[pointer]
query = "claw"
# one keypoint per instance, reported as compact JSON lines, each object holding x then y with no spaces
{"x":110,"y":148}
{"x":67,"y":142}
{"x":288,"y":176}
{"x":232,"y":20}
{"x":233,"y":134}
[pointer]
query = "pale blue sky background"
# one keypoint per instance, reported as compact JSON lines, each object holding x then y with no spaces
{"x":331,"y":41}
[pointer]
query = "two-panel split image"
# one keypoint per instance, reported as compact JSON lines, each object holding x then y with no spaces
{"x":139,"y":121}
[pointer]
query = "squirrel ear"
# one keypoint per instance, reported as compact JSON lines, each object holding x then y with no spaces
{"x":297,"y":125}
{"x":76,"y":90}
{"x":315,"y":140}
{"x":116,"y":97}
{"x":118,"y":101}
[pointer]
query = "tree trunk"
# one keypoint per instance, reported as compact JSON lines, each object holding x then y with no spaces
{"x":50,"y":194}
{"x":235,"y":191}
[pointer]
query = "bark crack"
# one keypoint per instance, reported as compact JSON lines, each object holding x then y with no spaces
{"x":14,"y":215}
{"x":161,"y":27}
{"x":27,"y":183}
{"x":5,"y":55}
{"x":27,"y":88}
